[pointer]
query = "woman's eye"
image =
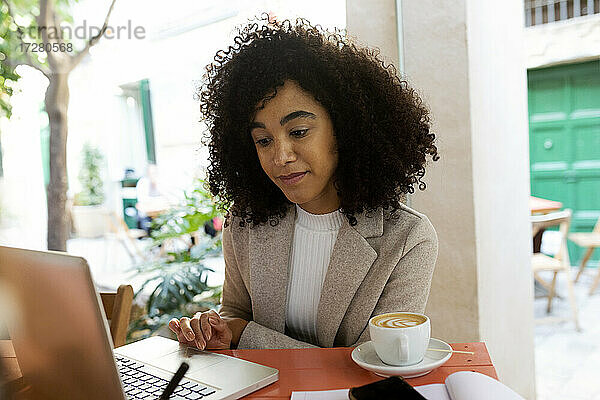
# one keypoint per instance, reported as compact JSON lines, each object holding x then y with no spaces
{"x":299,"y":132}
{"x":263,"y":142}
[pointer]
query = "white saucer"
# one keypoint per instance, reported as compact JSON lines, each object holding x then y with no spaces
{"x":366,"y":357}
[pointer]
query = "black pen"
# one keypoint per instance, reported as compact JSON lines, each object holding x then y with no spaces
{"x":174,"y":381}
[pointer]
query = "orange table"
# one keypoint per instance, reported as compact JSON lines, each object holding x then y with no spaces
{"x":333,"y":368}
{"x":320,"y":369}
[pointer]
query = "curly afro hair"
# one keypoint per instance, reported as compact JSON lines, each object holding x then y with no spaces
{"x":381,"y":126}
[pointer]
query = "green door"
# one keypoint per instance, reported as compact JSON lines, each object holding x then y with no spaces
{"x":564,"y":142}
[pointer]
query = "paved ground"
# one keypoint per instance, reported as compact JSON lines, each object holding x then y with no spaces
{"x":567,"y":362}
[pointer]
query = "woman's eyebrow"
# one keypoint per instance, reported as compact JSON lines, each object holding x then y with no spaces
{"x":286,"y":119}
{"x":296,"y":114}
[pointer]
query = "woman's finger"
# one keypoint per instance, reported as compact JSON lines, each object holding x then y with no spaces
{"x":216,"y":322}
{"x":188,"y":333}
{"x":174,"y":326}
{"x":195,"y":324}
{"x":206,"y":329}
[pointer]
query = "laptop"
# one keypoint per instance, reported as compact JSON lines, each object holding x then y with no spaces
{"x":61,"y":338}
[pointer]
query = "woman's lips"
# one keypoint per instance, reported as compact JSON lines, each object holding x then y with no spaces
{"x":293,"y":178}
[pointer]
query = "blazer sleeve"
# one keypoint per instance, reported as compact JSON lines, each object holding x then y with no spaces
{"x":235,"y":301}
{"x":257,"y":336}
{"x":407,"y":289}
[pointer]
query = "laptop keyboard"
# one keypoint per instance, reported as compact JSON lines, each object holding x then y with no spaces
{"x":140,"y":384}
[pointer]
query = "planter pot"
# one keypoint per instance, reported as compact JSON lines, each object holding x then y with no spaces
{"x":89,"y":221}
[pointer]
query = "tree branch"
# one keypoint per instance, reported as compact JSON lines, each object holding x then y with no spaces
{"x":76,"y":59}
{"x":29,"y":61}
{"x":45,"y":21}
{"x":60,"y":38}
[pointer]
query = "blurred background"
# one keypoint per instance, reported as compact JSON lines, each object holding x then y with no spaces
{"x":514,"y":90}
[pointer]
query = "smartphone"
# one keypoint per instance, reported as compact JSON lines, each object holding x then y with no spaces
{"x":391,"y":388}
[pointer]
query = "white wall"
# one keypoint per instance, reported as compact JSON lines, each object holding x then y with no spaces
{"x":572,"y":40}
{"x":373,"y":23}
{"x":500,"y":148}
{"x":436,"y":63}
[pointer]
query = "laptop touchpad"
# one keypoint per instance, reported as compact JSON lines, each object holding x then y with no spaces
{"x":197,"y":359}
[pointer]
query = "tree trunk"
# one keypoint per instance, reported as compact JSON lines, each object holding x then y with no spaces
{"x":57,"y":103}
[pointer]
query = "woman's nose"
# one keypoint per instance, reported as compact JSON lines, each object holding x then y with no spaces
{"x":284,"y":153}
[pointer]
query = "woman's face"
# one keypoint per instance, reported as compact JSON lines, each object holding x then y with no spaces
{"x":294,"y":141}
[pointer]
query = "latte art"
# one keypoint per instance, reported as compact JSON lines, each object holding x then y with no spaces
{"x":398,"y":320}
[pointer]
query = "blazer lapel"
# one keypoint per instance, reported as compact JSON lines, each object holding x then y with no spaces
{"x":351,"y":259}
{"x":268,"y":254}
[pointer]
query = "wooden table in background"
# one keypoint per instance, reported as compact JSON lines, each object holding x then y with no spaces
{"x":541,"y":206}
{"x":320,"y":369}
{"x":154,"y":206}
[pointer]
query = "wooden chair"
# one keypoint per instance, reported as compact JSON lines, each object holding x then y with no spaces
{"x":127,"y":236}
{"x":559,"y":263}
{"x":588,"y":240}
{"x":117,"y":307}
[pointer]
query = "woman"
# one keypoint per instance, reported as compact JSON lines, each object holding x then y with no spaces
{"x":313,"y":143}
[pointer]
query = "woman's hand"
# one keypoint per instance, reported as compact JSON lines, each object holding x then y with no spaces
{"x":205,"y":330}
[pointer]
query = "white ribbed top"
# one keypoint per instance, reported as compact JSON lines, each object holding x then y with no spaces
{"x":314,"y":237}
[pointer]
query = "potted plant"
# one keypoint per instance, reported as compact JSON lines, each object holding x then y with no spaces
{"x":89,"y":214}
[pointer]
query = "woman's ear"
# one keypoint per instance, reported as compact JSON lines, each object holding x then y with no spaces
{"x":336,"y":182}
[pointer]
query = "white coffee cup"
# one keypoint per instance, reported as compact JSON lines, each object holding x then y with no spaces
{"x":400,"y":338}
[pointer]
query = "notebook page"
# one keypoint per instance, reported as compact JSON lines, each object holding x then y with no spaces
{"x":435,"y":391}
{"x":467,"y":385}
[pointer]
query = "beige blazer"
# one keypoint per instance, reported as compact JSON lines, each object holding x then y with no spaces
{"x":380,"y":265}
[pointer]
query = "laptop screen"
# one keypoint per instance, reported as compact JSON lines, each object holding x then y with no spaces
{"x":56,"y":324}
